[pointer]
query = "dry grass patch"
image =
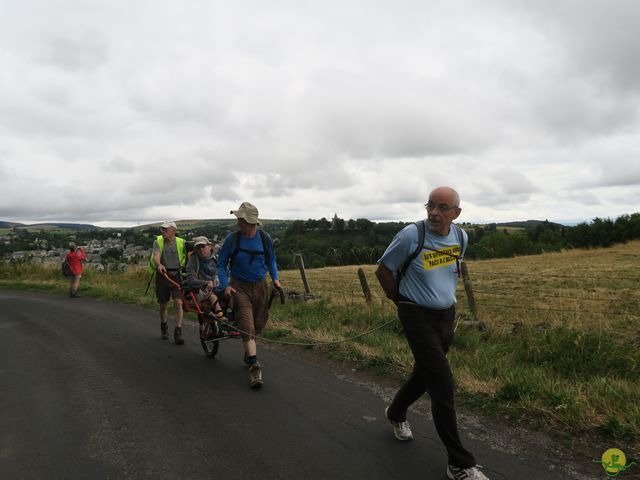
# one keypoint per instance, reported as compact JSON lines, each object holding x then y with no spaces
{"x":581,"y":289}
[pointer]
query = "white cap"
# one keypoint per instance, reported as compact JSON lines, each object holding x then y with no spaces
{"x":168,"y":224}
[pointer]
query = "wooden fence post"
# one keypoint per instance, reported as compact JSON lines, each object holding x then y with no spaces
{"x":303,"y":274}
{"x":365,"y":285}
{"x":468,"y":287}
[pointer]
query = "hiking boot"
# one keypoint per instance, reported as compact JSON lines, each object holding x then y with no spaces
{"x":471,"y":473}
{"x":164,"y":330}
{"x":177,"y":336}
{"x":402,"y":430}
{"x":255,"y":376}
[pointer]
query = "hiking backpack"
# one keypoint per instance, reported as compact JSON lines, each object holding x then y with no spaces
{"x":66,"y":269}
{"x":264,"y":237}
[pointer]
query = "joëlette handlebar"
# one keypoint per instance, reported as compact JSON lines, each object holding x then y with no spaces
{"x":171,"y":280}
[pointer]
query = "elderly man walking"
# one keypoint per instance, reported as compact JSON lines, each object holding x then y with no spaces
{"x":420,"y":278}
{"x":168,"y":257}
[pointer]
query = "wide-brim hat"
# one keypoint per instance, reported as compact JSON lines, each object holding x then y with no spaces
{"x":248,"y":212}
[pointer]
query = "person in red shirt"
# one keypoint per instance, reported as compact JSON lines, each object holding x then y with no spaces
{"x":75,"y":257}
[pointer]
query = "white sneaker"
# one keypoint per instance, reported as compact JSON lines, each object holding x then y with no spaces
{"x":401,"y":430}
{"x":472,"y":473}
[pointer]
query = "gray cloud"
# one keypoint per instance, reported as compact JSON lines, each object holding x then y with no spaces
{"x":86,"y":51}
{"x":143,"y":111}
{"x":599,"y":38}
{"x":119,"y":165}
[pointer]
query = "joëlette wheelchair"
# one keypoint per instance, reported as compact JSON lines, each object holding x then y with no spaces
{"x":214,"y":327}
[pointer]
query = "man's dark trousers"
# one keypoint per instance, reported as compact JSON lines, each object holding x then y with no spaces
{"x":430,"y":334}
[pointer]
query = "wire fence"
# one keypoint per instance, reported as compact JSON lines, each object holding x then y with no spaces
{"x":498,"y":294}
{"x":556,"y":275}
{"x":557,"y":310}
{"x":587,"y":294}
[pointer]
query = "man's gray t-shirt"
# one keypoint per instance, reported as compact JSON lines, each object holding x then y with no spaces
{"x":430,"y":280}
{"x":169,"y":257}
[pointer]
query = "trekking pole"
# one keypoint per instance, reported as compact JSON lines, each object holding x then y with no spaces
{"x":149,"y":284}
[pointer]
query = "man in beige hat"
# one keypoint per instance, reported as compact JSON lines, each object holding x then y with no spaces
{"x":248,"y":255}
{"x":168,"y":257}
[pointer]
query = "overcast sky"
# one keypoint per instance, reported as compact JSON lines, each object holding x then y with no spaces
{"x":120,"y":113}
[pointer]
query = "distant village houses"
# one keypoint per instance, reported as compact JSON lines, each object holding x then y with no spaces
{"x":96,"y":250}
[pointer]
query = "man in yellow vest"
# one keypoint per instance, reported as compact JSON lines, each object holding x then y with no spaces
{"x":168,"y":257}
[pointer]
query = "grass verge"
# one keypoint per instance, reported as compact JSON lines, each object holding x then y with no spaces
{"x":570,"y":374}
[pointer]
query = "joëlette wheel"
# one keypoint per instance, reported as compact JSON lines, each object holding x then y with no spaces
{"x":209,"y":346}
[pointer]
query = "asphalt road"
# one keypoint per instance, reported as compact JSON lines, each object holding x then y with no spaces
{"x":89,"y":390}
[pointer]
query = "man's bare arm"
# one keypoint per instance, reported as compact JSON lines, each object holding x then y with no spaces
{"x":156,"y":260}
{"x":387,"y":282}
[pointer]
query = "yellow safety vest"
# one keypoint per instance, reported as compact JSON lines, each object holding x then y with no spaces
{"x":181,"y":253}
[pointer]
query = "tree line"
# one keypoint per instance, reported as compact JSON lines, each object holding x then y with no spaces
{"x":489,"y":241}
{"x":357,"y":242}
{"x":339,"y":242}
{"x":333,"y":243}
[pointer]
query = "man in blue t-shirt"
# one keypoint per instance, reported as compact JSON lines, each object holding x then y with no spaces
{"x":248,"y":254}
{"x":425,"y":294}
